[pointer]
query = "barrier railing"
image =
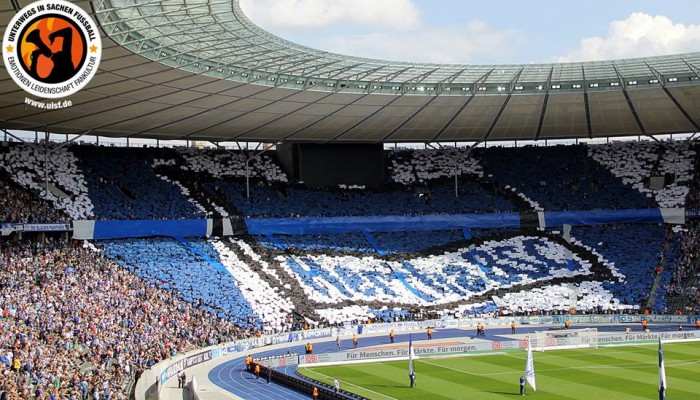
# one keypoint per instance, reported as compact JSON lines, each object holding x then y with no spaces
{"x":151,"y":381}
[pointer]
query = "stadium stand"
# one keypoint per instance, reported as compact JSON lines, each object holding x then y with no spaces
{"x":190,"y":268}
{"x":224,"y":163}
{"x":634,"y":251}
{"x":159,"y":183}
{"x":124,"y":186}
{"x":435,"y":279}
{"x":138,"y":183}
{"x":298,"y":201}
{"x":683,"y":288}
{"x":557,"y":298}
{"x":267,"y":301}
{"x":385,"y":242}
{"x":67,"y":187}
{"x":20,"y":205}
{"x":411,"y":167}
{"x":100,"y":327}
{"x":205,"y":291}
{"x":634,"y":163}
{"x":560,"y":178}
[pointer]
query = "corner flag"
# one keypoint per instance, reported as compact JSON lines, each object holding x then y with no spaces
{"x":662,"y":374}
{"x":530,"y":367}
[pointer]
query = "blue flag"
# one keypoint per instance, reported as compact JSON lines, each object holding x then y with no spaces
{"x":662,"y":374}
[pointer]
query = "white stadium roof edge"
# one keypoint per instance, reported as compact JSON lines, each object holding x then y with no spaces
{"x":201,"y":70}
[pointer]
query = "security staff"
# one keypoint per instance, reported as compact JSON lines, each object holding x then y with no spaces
{"x":248,"y":363}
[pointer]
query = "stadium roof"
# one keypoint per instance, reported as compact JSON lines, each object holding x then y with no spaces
{"x":201,"y":70}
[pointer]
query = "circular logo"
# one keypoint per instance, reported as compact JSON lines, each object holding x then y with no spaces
{"x":52,"y":49}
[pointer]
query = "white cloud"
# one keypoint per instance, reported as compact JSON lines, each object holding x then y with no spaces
{"x":474,"y":41}
{"x":640,"y":35}
{"x":314,"y":14}
{"x":383,"y":29}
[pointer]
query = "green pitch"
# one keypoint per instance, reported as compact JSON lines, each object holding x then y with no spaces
{"x":616,"y":373}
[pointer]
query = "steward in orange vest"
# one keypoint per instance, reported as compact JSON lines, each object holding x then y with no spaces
{"x":248,"y":363}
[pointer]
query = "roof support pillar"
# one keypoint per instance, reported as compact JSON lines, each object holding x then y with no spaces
{"x":631,"y":106}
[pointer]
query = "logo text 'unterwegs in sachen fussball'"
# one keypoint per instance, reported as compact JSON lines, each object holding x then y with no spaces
{"x":52,"y":49}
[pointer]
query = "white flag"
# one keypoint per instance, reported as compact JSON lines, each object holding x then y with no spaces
{"x":411,"y":355}
{"x":662,"y":374}
{"x":530,"y":367}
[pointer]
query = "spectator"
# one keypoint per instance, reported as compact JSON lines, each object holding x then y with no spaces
{"x":99,"y":323}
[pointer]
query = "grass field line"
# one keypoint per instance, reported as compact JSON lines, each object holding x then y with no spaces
{"x":635,"y":365}
{"x":539,"y":354}
{"x":352,"y":384}
{"x":453,"y":369}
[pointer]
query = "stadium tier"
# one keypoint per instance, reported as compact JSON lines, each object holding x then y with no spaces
{"x":401,"y":205}
{"x":99,"y":182}
{"x":384,"y":269}
{"x":207,"y":290}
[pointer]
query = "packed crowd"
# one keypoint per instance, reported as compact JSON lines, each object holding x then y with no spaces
{"x":634,"y":163}
{"x":77,"y":326}
{"x":19,"y":205}
{"x":410,"y":167}
{"x":684,"y":288}
{"x":123,"y":185}
{"x":631,"y":252}
{"x":28,"y":166}
{"x":560,"y":178}
{"x":335,"y":278}
{"x":146,"y":183}
{"x":188,"y":268}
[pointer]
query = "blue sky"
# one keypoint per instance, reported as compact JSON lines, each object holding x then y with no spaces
{"x":503,"y":31}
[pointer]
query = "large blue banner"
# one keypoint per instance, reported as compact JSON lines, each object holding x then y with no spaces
{"x":389,"y":223}
{"x":330,"y":225}
{"x":597,"y":217}
{"x":148,"y":228}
